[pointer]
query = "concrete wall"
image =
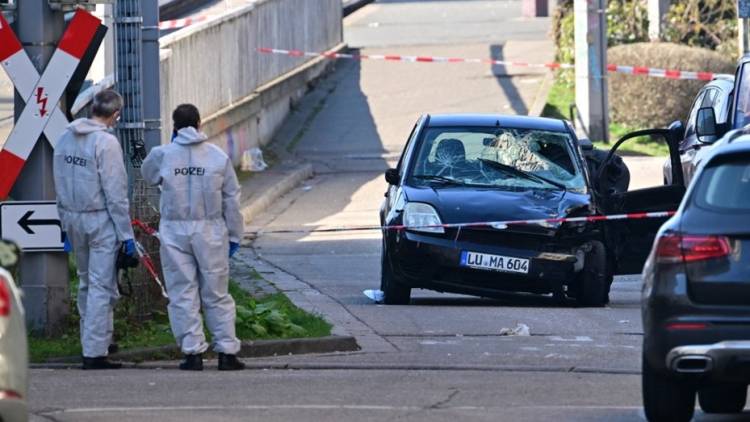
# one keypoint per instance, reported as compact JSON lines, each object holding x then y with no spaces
{"x":215,"y":65}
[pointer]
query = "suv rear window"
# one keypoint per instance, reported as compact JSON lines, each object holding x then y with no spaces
{"x":725,"y":186}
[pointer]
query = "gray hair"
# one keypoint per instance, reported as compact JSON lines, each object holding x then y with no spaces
{"x":106,"y":103}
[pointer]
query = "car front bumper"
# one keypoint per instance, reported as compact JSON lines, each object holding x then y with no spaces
{"x":433,"y":262}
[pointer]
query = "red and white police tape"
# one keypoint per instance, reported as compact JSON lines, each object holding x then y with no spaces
{"x":181,"y":23}
{"x":494,"y":224}
{"x":629,"y":70}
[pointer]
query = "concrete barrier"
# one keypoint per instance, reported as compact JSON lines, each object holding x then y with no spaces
{"x":244,"y":96}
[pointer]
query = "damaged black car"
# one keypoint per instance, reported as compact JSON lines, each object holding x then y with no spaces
{"x":461,"y":169}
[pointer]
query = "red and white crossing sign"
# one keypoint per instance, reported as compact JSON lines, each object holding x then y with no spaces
{"x":42,"y":93}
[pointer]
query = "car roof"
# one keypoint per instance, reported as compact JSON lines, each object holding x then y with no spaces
{"x":723,"y":82}
{"x":496,"y":120}
{"x":736,"y":145}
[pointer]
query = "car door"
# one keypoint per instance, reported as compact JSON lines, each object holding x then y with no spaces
{"x":629,"y":240}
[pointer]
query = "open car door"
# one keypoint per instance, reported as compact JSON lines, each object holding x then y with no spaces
{"x":629,"y":241}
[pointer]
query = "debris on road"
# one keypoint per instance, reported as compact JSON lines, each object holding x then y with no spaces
{"x":252,"y":160}
{"x":521,"y":330}
{"x":374,"y":295}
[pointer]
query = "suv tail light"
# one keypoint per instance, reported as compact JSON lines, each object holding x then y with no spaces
{"x":674,"y":248}
{"x":4,"y":297}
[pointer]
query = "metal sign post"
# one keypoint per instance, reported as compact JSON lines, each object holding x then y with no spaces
{"x":743,"y":14}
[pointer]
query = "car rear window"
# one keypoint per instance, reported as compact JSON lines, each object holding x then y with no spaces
{"x":725,"y":186}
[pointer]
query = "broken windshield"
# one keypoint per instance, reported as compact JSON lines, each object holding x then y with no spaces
{"x":482,"y":156}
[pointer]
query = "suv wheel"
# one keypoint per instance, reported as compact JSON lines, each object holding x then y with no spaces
{"x":394,"y":293}
{"x":723,"y":398}
{"x":593,"y":281}
{"x":664,"y":398}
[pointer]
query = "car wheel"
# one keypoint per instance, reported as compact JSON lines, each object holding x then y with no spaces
{"x":593,"y":281}
{"x":394,"y":293}
{"x":664,"y":398}
{"x":723,"y":398}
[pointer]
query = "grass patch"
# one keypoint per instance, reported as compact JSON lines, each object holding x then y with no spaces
{"x":562,"y":95}
{"x":271,"y":317}
{"x":274,"y":317}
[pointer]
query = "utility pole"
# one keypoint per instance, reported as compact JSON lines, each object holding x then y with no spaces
{"x":44,"y":274}
{"x":657,"y":9}
{"x":743,"y":17}
{"x":591,"y":67}
{"x":151,"y":87}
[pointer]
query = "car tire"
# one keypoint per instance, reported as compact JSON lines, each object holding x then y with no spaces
{"x":593,"y":280}
{"x":664,"y":398}
{"x":723,"y":398}
{"x":394,"y":292}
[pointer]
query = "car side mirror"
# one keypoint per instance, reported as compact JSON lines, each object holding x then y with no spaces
{"x":586,"y":144}
{"x":392,"y":177}
{"x":705,"y":125}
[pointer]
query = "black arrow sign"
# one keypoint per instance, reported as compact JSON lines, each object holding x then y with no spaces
{"x":26,"y":222}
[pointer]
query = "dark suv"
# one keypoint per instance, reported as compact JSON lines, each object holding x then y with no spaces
{"x":696,"y":295}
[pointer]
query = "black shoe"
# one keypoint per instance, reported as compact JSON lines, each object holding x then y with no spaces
{"x":192,"y":363}
{"x":113,"y":348}
{"x":230,"y":363}
{"x":101,"y":362}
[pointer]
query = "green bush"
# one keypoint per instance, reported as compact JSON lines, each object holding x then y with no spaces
{"x":709,"y":24}
{"x":627,"y":22}
{"x":653,"y":102}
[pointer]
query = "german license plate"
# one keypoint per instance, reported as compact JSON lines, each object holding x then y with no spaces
{"x":490,"y":262}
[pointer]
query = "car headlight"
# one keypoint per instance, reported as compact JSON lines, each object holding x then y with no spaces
{"x":418,"y":216}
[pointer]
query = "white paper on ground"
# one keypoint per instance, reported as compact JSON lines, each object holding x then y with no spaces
{"x":374,"y":295}
{"x":252,"y":160}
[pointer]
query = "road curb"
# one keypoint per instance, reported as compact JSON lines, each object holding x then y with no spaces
{"x":351,"y":6}
{"x":540,"y":100}
{"x":252,"y":208}
{"x":250,"y":349}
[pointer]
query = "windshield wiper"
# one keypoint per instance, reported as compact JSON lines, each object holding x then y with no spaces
{"x":526,"y":175}
{"x":437,"y":178}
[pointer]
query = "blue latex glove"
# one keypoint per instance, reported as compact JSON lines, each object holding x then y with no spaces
{"x":233,"y":248}
{"x":67,"y":247}
{"x":129,"y":247}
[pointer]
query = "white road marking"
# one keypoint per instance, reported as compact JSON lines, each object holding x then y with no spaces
{"x":322,"y":407}
{"x":576,"y":338}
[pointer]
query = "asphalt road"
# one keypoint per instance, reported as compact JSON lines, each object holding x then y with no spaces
{"x":440,"y":358}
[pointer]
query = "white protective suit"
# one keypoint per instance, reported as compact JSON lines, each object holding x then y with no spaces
{"x":199,"y":217}
{"x":92,"y":200}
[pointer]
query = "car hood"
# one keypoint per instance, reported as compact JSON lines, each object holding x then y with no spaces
{"x":465,"y":205}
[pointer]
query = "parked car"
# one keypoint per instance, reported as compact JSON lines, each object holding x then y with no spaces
{"x":469,"y":168}
{"x":696,"y":295}
{"x":716,"y":94}
{"x":13,"y":346}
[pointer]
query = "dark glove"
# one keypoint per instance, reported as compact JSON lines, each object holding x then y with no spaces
{"x":67,"y":247}
{"x":233,"y":248}
{"x":128,"y":247}
{"x":125,"y":257}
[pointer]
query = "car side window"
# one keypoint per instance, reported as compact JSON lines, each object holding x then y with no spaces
{"x":742,"y":111}
{"x":718,"y":105}
{"x":708,"y":99}
{"x":697,"y":104}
